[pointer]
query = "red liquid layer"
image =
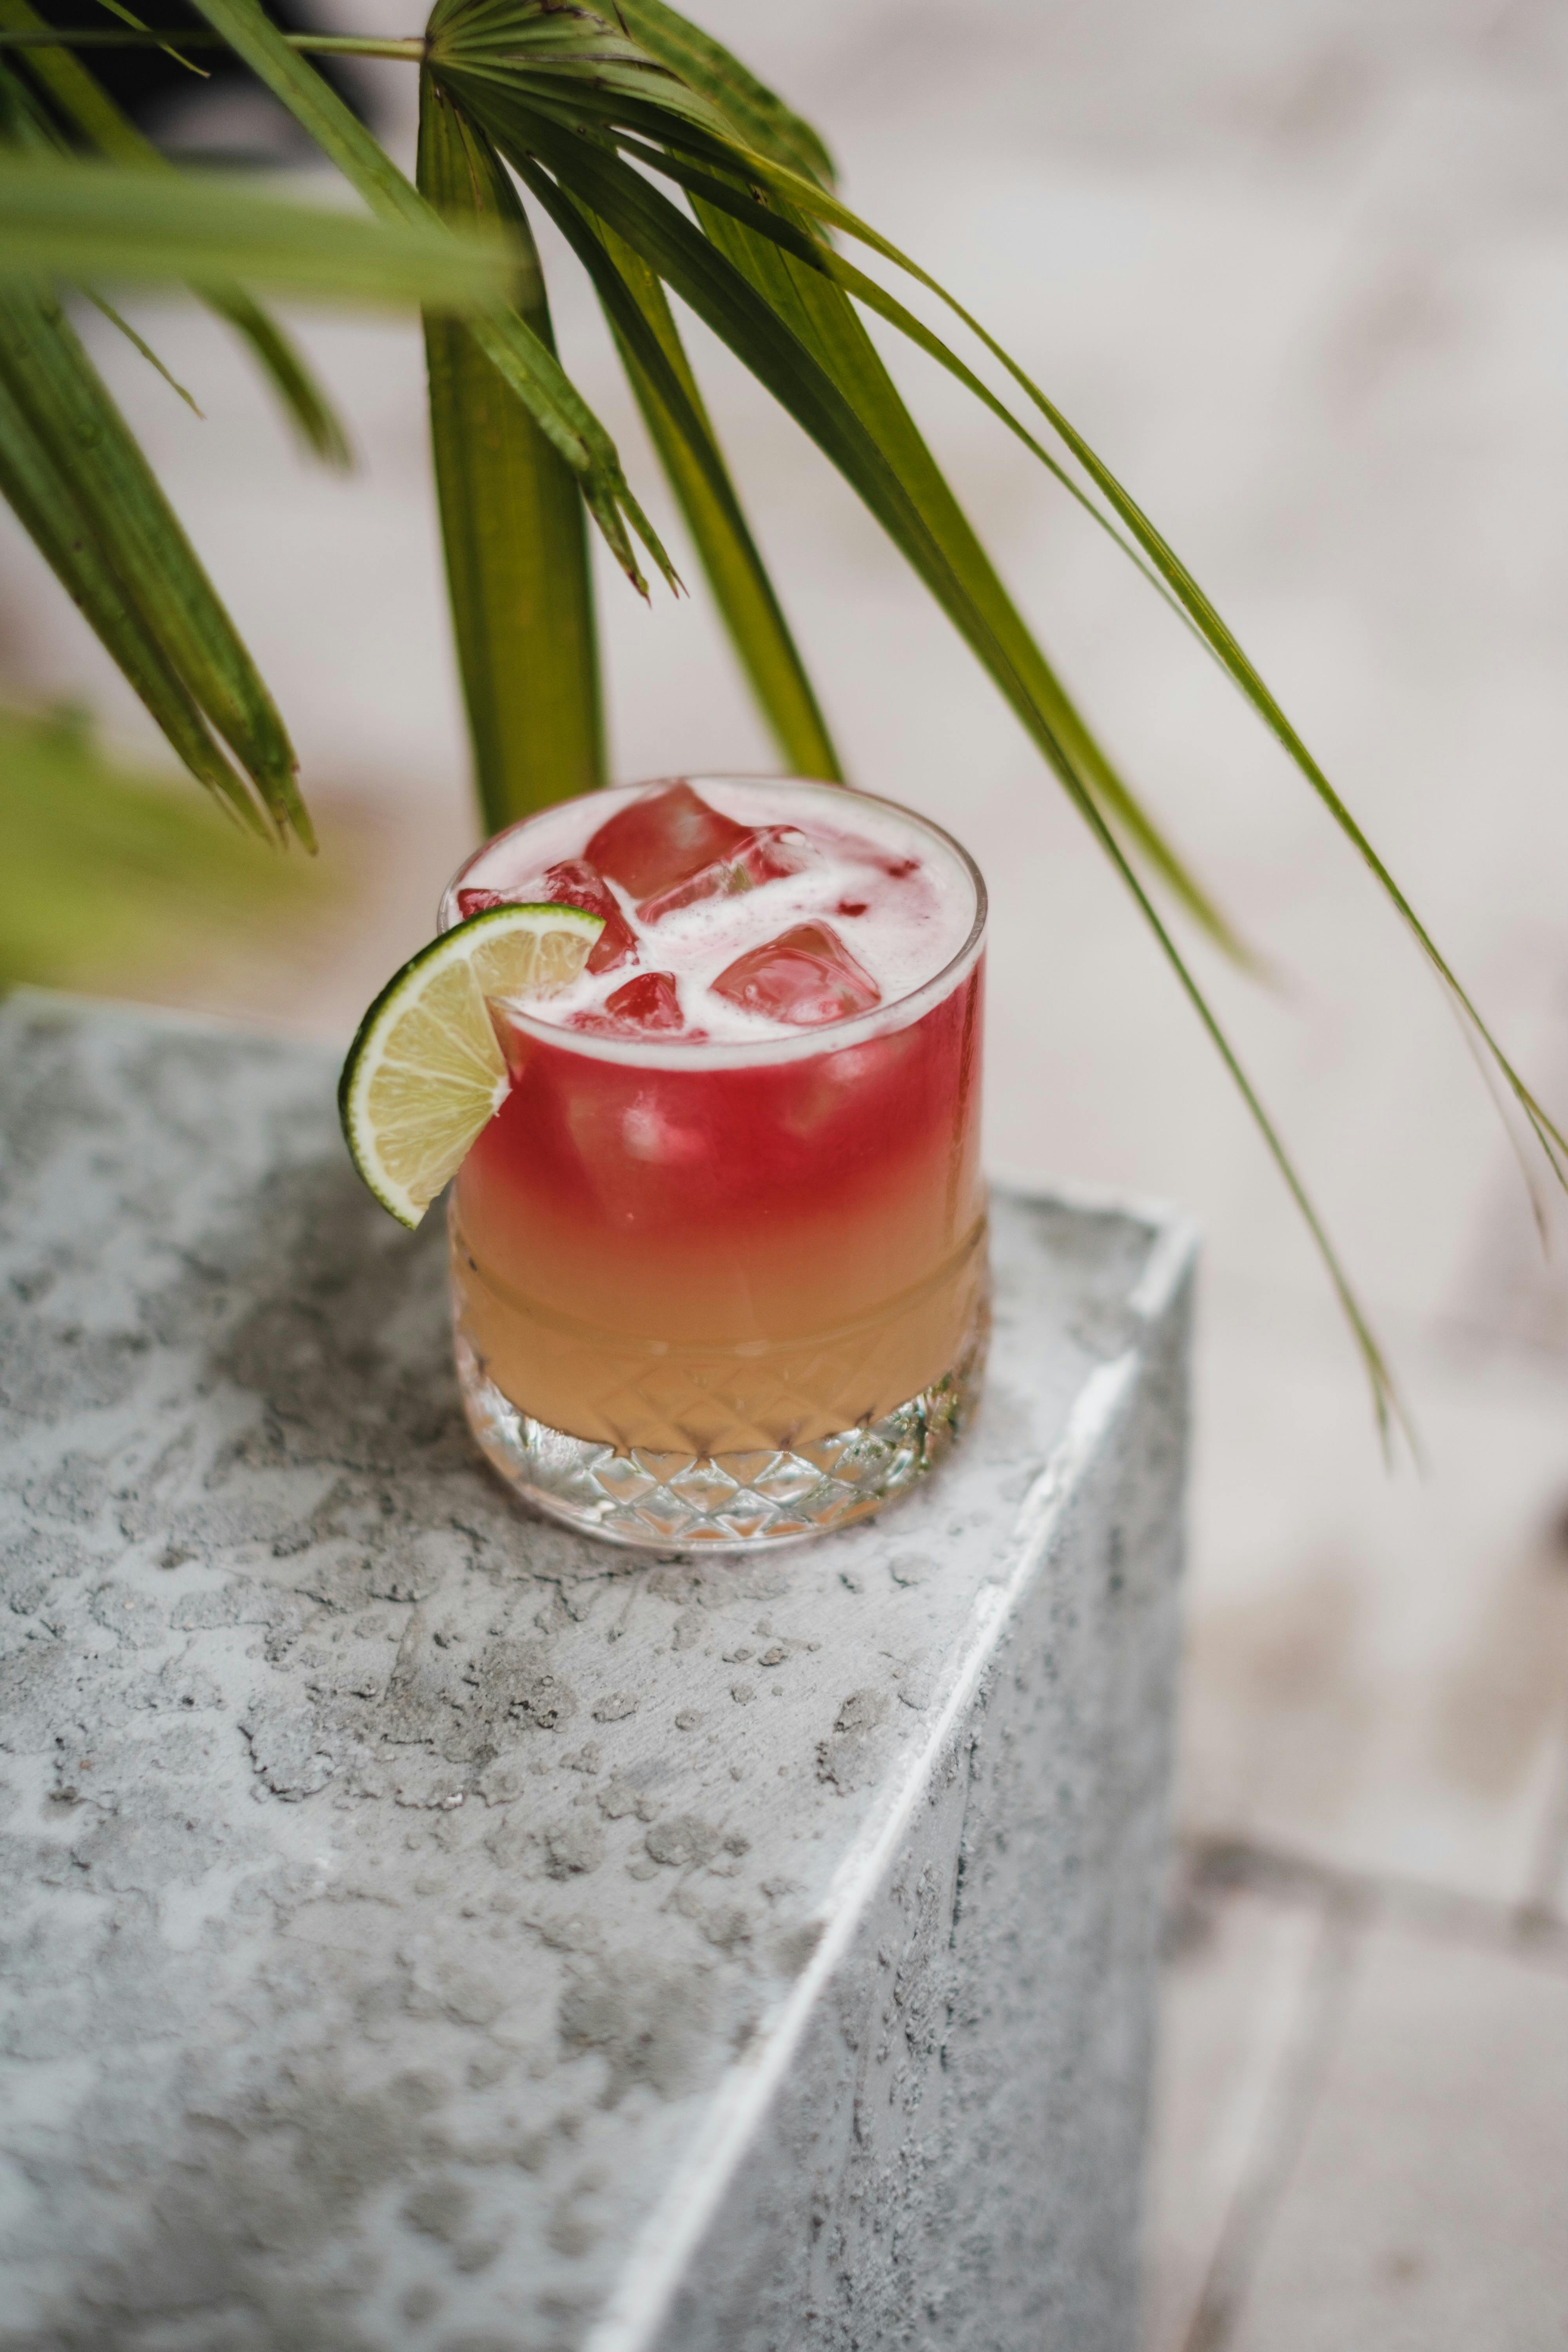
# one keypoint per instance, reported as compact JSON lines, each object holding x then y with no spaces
{"x":728,"y":1258}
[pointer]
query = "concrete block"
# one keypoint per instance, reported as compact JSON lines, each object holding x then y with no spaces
{"x":426,"y":1928}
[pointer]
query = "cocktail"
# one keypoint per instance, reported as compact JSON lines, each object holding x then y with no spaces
{"x":718,"y":1240}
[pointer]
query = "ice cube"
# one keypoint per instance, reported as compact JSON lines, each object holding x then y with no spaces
{"x":766,"y":854}
{"x":647,"y":1005}
{"x":661,"y":839}
{"x":572,"y":883}
{"x":576,"y":882}
{"x":805,"y":976}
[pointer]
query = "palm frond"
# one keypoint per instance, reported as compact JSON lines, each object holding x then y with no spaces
{"x":54,"y":385}
{"x":797,"y":333}
{"x":527,"y":366}
{"x":42,"y":501}
{"x":592,"y":108}
{"x":73,"y":471}
{"x":760,"y":116}
{"x":79,"y":484}
{"x":93,"y":221}
{"x":611,"y":99}
{"x":790,"y":327}
{"x":633,"y":299}
{"x":86,"y":111}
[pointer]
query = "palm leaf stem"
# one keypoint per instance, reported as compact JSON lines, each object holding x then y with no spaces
{"x":408,"y":51}
{"x":512,"y":524}
{"x":139,"y":344}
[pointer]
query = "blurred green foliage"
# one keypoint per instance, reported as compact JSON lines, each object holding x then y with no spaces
{"x":111,"y":871}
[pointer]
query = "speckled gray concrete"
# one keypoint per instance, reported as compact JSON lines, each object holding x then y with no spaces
{"x":426,"y":1928}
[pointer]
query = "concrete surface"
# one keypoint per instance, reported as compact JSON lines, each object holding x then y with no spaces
{"x":425,"y":1927}
{"x":1301,"y":271}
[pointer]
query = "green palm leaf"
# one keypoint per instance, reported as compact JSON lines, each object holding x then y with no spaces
{"x":82,"y":221}
{"x":54,"y":385}
{"x":612,"y":97}
{"x":792,"y":311}
{"x":666,"y":390}
{"x":43,"y":501}
{"x":79,"y":483}
{"x":802,"y":339}
{"x":511,"y":521}
{"x":761,"y":118}
{"x":73,"y":472}
{"x":713,"y":193}
{"x":747,"y":603}
{"x":527,"y":366}
{"x":86,"y":108}
{"x":573,"y":74}
{"x":583,"y":106}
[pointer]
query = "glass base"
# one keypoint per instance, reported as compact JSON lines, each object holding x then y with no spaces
{"x":731,"y":1502}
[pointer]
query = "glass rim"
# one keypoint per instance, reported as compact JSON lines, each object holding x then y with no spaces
{"x":730,"y":1053}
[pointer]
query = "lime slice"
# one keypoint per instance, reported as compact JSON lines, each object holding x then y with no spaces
{"x":424,"y":1076}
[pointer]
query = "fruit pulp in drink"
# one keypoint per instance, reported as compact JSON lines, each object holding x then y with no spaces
{"x":732,"y":1200}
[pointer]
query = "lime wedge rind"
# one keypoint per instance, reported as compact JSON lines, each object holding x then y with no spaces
{"x":425,"y":1074}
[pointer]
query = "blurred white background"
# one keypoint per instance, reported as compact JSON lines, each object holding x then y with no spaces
{"x":1301,"y":272}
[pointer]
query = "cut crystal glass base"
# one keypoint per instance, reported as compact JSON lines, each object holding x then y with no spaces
{"x":671,"y":1501}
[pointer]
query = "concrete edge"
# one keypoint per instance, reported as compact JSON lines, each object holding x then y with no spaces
{"x":670,"y":2236}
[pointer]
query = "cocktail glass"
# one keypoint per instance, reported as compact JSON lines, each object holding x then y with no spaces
{"x":720,"y":1295}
